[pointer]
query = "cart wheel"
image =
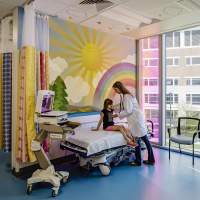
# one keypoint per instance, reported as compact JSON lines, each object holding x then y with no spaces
{"x":29,"y":189}
{"x":105,"y":170}
{"x":54,"y":193}
{"x":65,"y":179}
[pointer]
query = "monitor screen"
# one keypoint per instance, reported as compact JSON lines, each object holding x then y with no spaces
{"x":47,"y":103}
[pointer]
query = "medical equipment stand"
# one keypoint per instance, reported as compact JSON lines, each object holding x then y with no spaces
{"x":47,"y":172}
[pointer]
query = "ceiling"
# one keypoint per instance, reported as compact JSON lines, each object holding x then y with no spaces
{"x":7,"y":6}
{"x":119,"y":16}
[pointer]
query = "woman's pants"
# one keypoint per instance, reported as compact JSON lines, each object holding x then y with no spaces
{"x":149,"y":149}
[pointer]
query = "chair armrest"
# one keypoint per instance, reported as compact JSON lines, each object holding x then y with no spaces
{"x":169,"y":130}
{"x":195,"y":134}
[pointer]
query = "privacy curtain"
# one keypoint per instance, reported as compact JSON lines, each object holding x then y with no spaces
{"x":6,"y":84}
{"x":26,"y":89}
{"x":42,"y":47}
{"x":32,"y":76}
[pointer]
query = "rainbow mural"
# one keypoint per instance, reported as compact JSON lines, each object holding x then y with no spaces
{"x":124,"y":72}
{"x":85,"y":58}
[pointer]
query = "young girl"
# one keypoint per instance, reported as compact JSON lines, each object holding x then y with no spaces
{"x":108,"y":124}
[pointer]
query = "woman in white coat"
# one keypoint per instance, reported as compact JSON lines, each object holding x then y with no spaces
{"x":130,"y":109}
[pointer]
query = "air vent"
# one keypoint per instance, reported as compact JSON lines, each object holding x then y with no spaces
{"x":86,"y":2}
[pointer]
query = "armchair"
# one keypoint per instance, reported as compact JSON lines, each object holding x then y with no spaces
{"x":186,"y":131}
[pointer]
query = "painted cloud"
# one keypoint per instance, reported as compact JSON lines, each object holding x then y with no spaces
{"x":74,"y":83}
{"x":56,"y":67}
{"x":130,"y":59}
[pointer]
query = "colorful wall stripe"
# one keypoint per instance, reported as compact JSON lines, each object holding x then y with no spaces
{"x":7,"y":100}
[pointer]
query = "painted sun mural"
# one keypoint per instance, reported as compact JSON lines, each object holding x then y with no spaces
{"x":82,"y":56}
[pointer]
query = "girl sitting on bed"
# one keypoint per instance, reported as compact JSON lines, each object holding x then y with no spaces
{"x":108,"y":124}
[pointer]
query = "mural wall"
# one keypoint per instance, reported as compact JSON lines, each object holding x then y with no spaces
{"x":89,"y":62}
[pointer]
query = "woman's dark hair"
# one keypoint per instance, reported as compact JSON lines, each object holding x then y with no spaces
{"x":119,"y":85}
{"x":107,"y":102}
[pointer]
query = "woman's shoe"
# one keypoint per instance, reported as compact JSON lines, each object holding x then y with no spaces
{"x":147,"y":162}
{"x":135,"y":164}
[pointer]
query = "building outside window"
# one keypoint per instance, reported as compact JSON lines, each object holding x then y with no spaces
{"x":184,"y":90}
{"x":193,"y":81}
{"x":172,"y":39}
{"x":172,"y":61}
{"x":192,"y":60}
{"x":150,"y":82}
{"x":149,"y":77}
{"x":172,"y":81}
{"x":192,"y":38}
{"x":193,"y":99}
{"x":172,"y":98}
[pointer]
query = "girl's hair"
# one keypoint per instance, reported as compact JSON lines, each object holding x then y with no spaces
{"x":107,"y":102}
{"x":119,"y":85}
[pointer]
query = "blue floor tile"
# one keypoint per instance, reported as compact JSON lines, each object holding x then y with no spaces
{"x":167,"y":180}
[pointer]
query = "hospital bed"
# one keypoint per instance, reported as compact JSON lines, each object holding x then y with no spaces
{"x":101,"y":149}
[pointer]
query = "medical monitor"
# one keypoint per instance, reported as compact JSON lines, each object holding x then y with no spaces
{"x":45,"y":101}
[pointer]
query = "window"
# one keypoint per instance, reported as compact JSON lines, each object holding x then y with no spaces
{"x":188,"y":98}
{"x":173,"y":114}
{"x":151,"y":98}
{"x":187,"y":38}
{"x":172,"y":98}
{"x":150,"y":82}
{"x":193,"y":81}
{"x":193,"y":99}
{"x":196,"y":81}
{"x":150,"y":43}
{"x":173,"y":61}
{"x":149,"y":73}
{"x":151,"y":62}
{"x":146,"y":82}
{"x":192,"y":60}
{"x":183,"y":83}
{"x":188,"y":81}
{"x":153,"y":82}
{"x":196,"y":38}
{"x":171,"y":81}
{"x":151,"y":114}
{"x":172,"y":39}
{"x":192,"y":38}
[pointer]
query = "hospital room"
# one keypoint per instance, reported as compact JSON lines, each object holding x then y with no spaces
{"x":100,"y":99}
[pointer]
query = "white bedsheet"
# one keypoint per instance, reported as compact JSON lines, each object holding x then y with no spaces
{"x":96,"y":141}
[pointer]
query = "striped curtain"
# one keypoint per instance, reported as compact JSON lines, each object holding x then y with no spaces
{"x":7,"y":100}
{"x":32,"y":76}
{"x":42,"y":46}
{"x":21,"y":142}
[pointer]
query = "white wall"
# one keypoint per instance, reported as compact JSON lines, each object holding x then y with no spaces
{"x":6,"y":35}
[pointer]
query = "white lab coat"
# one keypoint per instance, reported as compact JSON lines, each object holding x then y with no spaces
{"x":134,"y":115}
